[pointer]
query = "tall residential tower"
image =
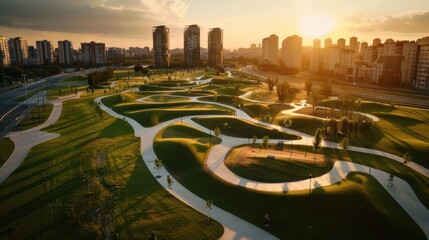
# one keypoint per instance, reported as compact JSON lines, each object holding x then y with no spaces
{"x":192,"y":45}
{"x":161,"y":46}
{"x":215,"y":47}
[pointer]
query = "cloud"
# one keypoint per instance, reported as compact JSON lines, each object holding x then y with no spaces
{"x":415,"y":23}
{"x":125,"y":18}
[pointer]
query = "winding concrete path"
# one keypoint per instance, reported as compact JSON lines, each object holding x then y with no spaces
{"x":27,"y":139}
{"x":236,"y":228}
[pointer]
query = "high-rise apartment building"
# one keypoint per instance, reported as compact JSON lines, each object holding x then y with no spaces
{"x":409,"y":63}
{"x":354,"y":45}
{"x":376,"y":42}
{"x":161,"y":46}
{"x":32,"y":58}
{"x":93,"y":53}
{"x":292,"y":51}
{"x":316,"y":60}
{"x":65,"y":50}
{"x":270,"y":49}
{"x":18,"y":51}
{"x":327,"y":43}
{"x":192,"y":45}
{"x":44,"y":52}
{"x":4,"y":52}
{"x":341,"y":43}
{"x":422,"y":76}
{"x":215,"y":47}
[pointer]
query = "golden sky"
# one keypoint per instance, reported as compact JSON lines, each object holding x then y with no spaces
{"x":128,"y":23}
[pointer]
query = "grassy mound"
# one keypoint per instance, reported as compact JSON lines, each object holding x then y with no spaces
{"x":358,"y":204}
{"x":236,"y":127}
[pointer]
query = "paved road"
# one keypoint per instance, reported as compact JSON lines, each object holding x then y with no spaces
{"x":377,"y":95}
{"x":10,"y":110}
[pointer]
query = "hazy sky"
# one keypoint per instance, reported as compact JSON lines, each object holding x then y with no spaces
{"x":124,"y":23}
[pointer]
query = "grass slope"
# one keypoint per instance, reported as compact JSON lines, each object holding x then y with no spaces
{"x":33,"y":118}
{"x":6,"y":149}
{"x":91,"y":182}
{"x":356,"y":208}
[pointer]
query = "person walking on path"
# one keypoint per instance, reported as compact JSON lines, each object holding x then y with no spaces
{"x":267,"y":220}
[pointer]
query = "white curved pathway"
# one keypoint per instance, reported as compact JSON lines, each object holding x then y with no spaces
{"x":236,"y":228}
{"x":25,"y":140}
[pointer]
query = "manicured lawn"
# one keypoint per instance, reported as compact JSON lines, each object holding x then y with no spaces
{"x":164,"y":98}
{"x":152,"y":114}
{"x":33,"y":119}
{"x":89,"y":180}
{"x":253,"y":163}
{"x":399,"y":130}
{"x":6,"y":149}
{"x":236,"y":127}
{"x":358,"y":207}
{"x":76,"y":79}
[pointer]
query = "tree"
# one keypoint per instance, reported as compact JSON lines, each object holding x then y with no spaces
{"x":138,"y":68}
{"x":217,"y":132}
{"x":317,"y":140}
{"x":158,"y":165}
{"x":287,"y":122}
{"x":390,"y":180}
{"x":315,"y":101}
{"x":308,"y":86}
{"x":270,"y":83}
{"x":407,"y":158}
{"x":344,"y":144}
{"x":254,"y":138}
{"x":209,"y":206}
{"x":265,"y":142}
{"x":282,"y":91}
{"x":326,"y":89}
{"x":99,"y":111}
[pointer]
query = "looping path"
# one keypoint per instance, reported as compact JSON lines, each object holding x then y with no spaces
{"x":236,"y":228}
{"x":25,"y":140}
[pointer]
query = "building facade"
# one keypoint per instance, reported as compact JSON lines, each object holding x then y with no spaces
{"x":93,"y":53}
{"x":44,"y":52}
{"x":292,"y":51}
{"x":215,"y":47}
{"x":4,"y":52}
{"x":65,"y":52}
{"x":161,"y":46}
{"x":191,"y":37}
{"x":422,"y":75}
{"x":270,"y":49}
{"x":18,"y":51}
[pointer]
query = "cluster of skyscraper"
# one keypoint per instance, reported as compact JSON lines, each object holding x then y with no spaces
{"x":15,"y":51}
{"x":191,"y":45}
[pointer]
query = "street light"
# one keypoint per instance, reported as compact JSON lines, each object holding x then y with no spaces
{"x":26,"y":93}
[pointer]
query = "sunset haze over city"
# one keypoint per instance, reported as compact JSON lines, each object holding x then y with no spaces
{"x":129,"y":23}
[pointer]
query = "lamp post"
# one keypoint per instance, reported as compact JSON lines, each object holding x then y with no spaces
{"x":26,"y":93}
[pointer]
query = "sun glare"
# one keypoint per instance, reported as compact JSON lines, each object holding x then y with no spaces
{"x":315,"y":26}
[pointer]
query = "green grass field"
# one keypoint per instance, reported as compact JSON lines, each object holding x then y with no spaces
{"x":33,"y":119}
{"x":399,"y":130}
{"x":94,"y":164}
{"x":357,"y":205}
{"x":6,"y":149}
{"x":251,"y":162}
{"x":77,"y":79}
{"x":152,"y":114}
{"x":241,"y":128}
{"x":164,"y":98}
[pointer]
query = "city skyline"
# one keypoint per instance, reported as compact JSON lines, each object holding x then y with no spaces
{"x":130,"y":22}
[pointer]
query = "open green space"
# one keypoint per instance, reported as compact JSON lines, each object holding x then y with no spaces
{"x":77,"y":79}
{"x":357,"y":205}
{"x":399,"y":130}
{"x":7,"y":146}
{"x":91,"y":182}
{"x":236,"y":127}
{"x":254,"y":163}
{"x":36,"y":117}
{"x":165,"y":98}
{"x":148,"y":114}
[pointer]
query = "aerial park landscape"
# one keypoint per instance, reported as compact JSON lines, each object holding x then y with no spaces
{"x":207,"y":154}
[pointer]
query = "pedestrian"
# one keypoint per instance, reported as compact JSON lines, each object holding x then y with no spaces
{"x":267,"y":220}
{"x":152,"y":236}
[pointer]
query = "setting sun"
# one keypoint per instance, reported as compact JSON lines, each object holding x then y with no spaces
{"x":315,"y":26}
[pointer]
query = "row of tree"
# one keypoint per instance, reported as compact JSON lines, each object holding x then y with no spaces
{"x":97,"y":78}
